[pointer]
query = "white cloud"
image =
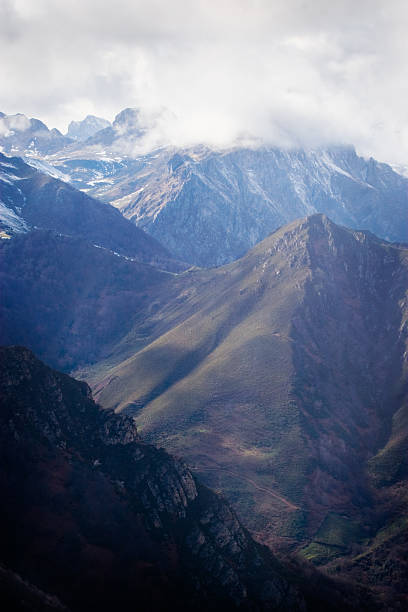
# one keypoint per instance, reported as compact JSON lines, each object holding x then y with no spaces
{"x":13,"y":123}
{"x":294,"y":72}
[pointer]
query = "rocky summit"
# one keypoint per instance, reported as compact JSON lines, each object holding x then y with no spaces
{"x":20,"y":135}
{"x":82,"y":130}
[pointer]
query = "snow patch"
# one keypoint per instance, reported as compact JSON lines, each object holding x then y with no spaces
{"x":11,"y":220}
{"x":46,"y":168}
{"x":9,"y":178}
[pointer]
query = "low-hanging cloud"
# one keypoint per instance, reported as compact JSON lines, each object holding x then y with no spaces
{"x":289,"y":72}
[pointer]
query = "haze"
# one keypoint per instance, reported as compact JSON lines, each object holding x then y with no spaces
{"x":291,"y":73}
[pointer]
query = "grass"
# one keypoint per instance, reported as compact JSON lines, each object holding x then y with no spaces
{"x":334,"y":538}
{"x":241,"y":370}
{"x":386,"y":467}
{"x":320,"y":554}
{"x":217,"y":384}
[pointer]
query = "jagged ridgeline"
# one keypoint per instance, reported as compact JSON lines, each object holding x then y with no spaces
{"x":94,"y":518}
{"x":208,"y":206}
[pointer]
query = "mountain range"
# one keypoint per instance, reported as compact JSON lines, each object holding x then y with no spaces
{"x":277,"y":369}
{"x":21,"y":135}
{"x":208,"y":206}
{"x":280,"y":378}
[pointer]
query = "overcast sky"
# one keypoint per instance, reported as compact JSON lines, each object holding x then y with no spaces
{"x":291,"y":72}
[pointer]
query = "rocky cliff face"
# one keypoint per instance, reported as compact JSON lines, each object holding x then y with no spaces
{"x":96,"y":517}
{"x":209,"y":207}
{"x":124,"y":133}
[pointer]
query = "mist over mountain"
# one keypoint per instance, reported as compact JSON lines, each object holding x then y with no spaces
{"x":204,"y":217}
{"x":20,"y":135}
{"x":295,"y":74}
{"x":208,"y":206}
{"x":82,"y":130}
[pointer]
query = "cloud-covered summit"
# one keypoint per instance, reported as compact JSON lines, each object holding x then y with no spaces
{"x":292,"y":73}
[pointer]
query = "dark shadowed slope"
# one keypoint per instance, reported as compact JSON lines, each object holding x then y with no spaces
{"x":70,"y":301}
{"x":95,"y":518}
{"x":29,"y":198}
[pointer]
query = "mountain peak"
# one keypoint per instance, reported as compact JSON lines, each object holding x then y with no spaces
{"x":20,"y":135}
{"x":317,"y":241}
{"x":128,"y":118}
{"x":81,"y":130}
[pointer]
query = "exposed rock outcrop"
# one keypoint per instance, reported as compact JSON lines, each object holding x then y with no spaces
{"x":92,"y":515}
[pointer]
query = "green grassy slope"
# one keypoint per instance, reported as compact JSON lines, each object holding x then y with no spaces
{"x":276,"y":377}
{"x":216,"y":388}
